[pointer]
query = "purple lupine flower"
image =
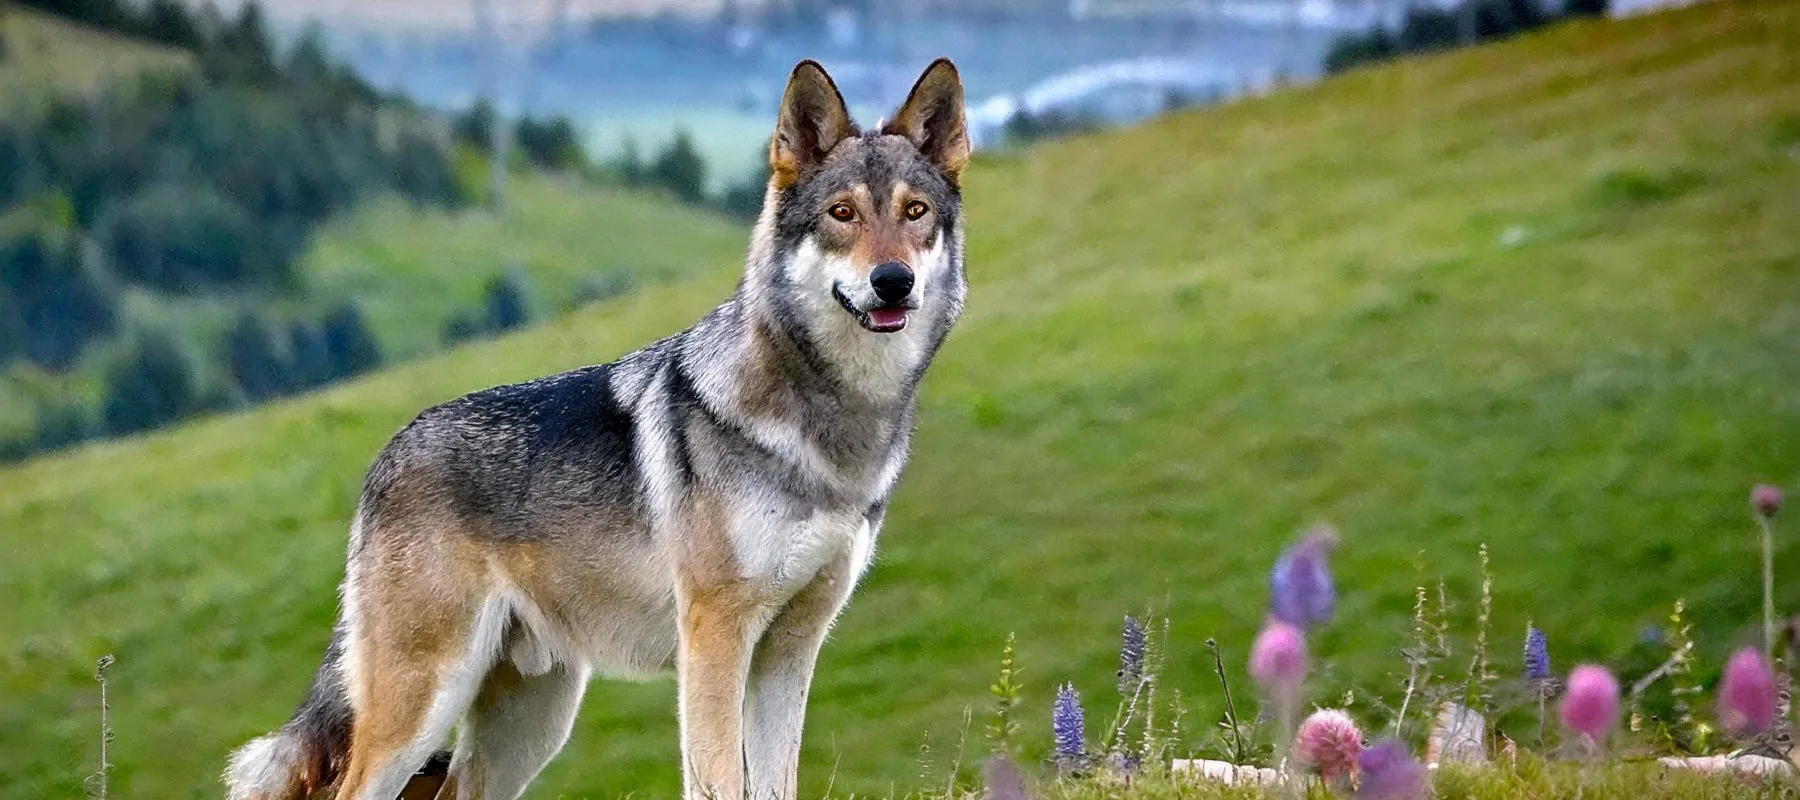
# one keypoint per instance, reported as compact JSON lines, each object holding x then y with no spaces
{"x":1590,"y":707}
{"x":1068,"y":723}
{"x":1131,"y":657}
{"x":1747,"y":694}
{"x":1301,"y":591}
{"x":1766,"y":499}
{"x":1537,"y":655}
{"x":1389,"y":772}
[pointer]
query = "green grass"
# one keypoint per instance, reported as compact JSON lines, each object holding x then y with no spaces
{"x":47,"y":55}
{"x":1544,"y":295}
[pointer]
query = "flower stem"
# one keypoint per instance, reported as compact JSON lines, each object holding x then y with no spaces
{"x":1768,"y":576}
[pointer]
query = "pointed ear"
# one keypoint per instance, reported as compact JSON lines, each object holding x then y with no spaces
{"x":932,"y":118}
{"x":813,"y":120}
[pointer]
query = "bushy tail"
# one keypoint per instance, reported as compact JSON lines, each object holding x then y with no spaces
{"x":306,"y":756}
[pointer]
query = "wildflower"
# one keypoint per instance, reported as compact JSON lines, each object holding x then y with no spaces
{"x":1329,"y":743}
{"x":1301,"y":590}
{"x":1068,"y":723}
{"x":1747,"y":694}
{"x":1389,"y":772}
{"x":1765,"y":499}
{"x":1004,"y":782}
{"x":1537,"y":655}
{"x":1131,"y":657}
{"x":1590,"y":707}
{"x":1278,"y":658}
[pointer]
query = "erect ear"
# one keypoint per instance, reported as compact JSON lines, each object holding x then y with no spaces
{"x":813,"y":120}
{"x":932,"y":118}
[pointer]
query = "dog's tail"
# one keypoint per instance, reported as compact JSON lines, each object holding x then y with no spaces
{"x":306,"y":756}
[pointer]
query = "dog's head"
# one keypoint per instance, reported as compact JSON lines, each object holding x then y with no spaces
{"x":868,"y":224}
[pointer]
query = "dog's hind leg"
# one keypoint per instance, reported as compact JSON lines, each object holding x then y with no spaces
{"x":414,"y":673}
{"x":517,"y":724}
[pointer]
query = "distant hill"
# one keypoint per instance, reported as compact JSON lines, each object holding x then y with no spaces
{"x":1543,"y":295}
{"x":46,"y":54}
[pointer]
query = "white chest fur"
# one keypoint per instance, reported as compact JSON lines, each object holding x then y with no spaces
{"x":780,"y":554}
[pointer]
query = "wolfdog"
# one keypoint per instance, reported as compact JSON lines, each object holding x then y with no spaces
{"x":706,"y":503}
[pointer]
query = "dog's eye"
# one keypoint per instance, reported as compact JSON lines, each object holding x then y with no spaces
{"x":916,"y":209}
{"x":842,"y":212}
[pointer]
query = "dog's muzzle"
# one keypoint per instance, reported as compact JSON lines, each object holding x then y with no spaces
{"x":892,"y":285}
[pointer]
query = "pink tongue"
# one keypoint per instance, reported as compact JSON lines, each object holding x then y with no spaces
{"x":887,"y":317}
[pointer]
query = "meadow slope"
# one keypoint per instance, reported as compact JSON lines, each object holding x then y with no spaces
{"x":1543,"y":295}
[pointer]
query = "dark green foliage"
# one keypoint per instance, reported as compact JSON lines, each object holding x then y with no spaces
{"x":475,"y":127}
{"x":551,"y":143}
{"x":1025,"y":126}
{"x":351,"y":346}
{"x":170,"y":22}
{"x":462,"y":327}
{"x":744,"y":199}
{"x":508,"y":301}
{"x":681,"y":170}
{"x":152,"y":386}
{"x":606,"y":286}
{"x":60,"y":425}
{"x":309,"y":355}
{"x":60,"y":303}
{"x":1586,"y":8}
{"x":1425,"y":29}
{"x":256,"y":361}
{"x":630,"y":164}
{"x":186,"y":240}
{"x":12,"y":328}
{"x":1353,"y":49}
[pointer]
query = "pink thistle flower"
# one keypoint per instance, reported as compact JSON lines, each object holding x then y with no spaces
{"x":1278,"y":659}
{"x":1765,"y":499}
{"x":1590,"y":706}
{"x":1329,"y":743}
{"x":1747,"y":694}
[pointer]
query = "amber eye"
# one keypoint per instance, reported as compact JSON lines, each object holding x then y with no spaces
{"x":842,"y":212}
{"x":916,"y":209}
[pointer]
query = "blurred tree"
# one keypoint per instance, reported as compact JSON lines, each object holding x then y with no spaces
{"x":1586,"y":8}
{"x":475,"y":127}
{"x":153,"y":385}
{"x":352,"y":346}
{"x":170,"y":22}
{"x":60,"y":424}
{"x":508,"y":302}
{"x":1426,"y":29}
{"x":309,"y":354}
{"x":630,"y":165}
{"x":185,"y":239}
{"x":12,"y":328}
{"x":463,"y":326}
{"x":256,"y":361}
{"x":681,"y":170}
{"x":61,"y":302}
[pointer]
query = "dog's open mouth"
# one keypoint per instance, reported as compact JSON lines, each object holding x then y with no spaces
{"x":880,"y":319}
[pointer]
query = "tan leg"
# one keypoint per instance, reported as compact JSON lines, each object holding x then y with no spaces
{"x":716,"y":631}
{"x":415,"y":673}
{"x":780,"y":677}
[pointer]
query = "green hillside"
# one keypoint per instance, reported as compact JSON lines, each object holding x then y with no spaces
{"x":1544,"y":295}
{"x":45,"y":54}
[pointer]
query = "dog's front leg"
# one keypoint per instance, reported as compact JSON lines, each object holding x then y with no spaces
{"x":780,"y":675}
{"x":717,"y":629}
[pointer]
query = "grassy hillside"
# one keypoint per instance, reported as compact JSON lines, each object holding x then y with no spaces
{"x":1544,"y":295}
{"x":45,"y":54}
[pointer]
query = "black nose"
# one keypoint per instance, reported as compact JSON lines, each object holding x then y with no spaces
{"x":892,"y":281}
